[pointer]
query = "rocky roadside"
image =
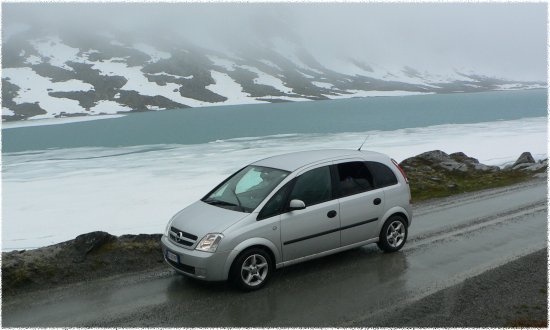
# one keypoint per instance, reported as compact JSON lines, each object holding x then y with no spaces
{"x":512,"y":295}
{"x":87,"y":257}
{"x":99,"y":254}
{"x":436,"y":174}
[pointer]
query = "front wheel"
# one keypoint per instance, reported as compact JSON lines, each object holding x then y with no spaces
{"x":393,"y":234}
{"x":251,"y":269}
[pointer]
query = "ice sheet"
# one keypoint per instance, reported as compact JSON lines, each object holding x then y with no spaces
{"x":360,"y":93}
{"x":53,"y":121}
{"x":55,"y":195}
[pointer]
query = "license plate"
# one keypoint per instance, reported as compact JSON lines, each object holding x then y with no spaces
{"x":172,"y":256}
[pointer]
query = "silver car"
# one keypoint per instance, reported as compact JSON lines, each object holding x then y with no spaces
{"x":290,"y":208}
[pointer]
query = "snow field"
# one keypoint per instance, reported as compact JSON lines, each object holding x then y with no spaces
{"x":54,"y":195}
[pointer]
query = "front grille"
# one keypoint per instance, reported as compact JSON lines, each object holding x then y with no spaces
{"x":184,"y":234}
{"x":177,"y":240}
{"x":182,"y":238}
{"x":184,"y":268}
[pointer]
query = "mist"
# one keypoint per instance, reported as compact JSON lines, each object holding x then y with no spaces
{"x":507,"y":40}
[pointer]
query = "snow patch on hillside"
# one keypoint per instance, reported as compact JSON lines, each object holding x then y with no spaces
{"x":170,"y":75}
{"x":35,"y":89}
{"x":56,"y":51}
{"x":306,"y":75}
{"x":106,"y":107}
{"x":323,"y":84}
{"x":226,"y":86}
{"x":7,"y":112}
{"x":287,"y":98}
{"x":155,"y":54}
{"x":269,"y":80}
{"x":221,"y":62}
{"x":271,"y":64}
{"x":136,"y":81}
{"x":33,"y":60}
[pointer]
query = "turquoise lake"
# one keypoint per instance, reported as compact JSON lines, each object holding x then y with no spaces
{"x":200,"y":125}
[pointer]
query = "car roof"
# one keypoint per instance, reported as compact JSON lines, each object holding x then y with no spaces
{"x":295,"y":160}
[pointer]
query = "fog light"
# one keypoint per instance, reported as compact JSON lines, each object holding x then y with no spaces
{"x":200,"y":272}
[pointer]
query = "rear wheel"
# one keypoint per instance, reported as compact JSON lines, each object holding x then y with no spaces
{"x":251,"y":269}
{"x":393,"y":234}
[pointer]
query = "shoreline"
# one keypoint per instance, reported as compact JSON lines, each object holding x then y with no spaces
{"x":259,"y":101}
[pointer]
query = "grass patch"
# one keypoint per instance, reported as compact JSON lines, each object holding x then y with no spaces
{"x":425,"y":186}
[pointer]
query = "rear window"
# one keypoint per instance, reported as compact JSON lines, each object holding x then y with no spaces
{"x":383,"y":176}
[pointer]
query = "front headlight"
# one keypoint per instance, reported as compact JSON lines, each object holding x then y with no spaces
{"x":209,"y":243}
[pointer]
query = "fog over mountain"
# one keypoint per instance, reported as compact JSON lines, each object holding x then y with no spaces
{"x":62,"y":59}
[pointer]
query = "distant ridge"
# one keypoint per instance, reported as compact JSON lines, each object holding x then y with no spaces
{"x":62,"y":76}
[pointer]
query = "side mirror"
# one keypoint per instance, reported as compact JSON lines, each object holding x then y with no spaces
{"x":297,"y":204}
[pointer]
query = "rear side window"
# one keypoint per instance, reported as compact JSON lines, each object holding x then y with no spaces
{"x":383,"y":175}
{"x":313,"y":187}
{"x":353,"y":178}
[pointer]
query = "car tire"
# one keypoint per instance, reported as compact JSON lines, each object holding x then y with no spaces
{"x":393,"y":234}
{"x":251,"y":269}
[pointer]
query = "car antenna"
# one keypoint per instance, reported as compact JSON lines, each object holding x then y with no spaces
{"x":363,"y":143}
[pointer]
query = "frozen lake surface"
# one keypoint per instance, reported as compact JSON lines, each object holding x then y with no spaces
{"x":50,"y":196}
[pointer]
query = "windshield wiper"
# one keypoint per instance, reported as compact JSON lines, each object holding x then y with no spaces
{"x":219,"y":202}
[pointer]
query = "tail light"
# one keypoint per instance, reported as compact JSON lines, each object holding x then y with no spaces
{"x":400,"y":170}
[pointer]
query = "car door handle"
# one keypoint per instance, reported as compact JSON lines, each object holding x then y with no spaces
{"x":377,"y":201}
{"x":331,"y":214}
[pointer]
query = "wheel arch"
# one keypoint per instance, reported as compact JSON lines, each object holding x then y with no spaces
{"x":396,"y":210}
{"x":258,"y":242}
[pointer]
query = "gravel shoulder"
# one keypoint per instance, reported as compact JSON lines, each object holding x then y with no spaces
{"x":514,"y":294}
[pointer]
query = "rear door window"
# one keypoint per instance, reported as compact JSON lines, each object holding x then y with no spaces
{"x":383,"y":176}
{"x":353,"y":178}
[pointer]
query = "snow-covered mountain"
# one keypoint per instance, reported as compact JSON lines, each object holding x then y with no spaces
{"x":55,"y":75}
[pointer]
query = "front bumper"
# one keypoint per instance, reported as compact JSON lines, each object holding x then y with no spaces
{"x":198,"y":264}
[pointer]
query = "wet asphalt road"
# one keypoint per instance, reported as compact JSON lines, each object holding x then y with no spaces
{"x":450,"y":240}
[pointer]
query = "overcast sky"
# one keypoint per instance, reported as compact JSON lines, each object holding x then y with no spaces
{"x":506,"y":40}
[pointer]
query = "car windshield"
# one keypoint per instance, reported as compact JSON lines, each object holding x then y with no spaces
{"x":246,"y":189}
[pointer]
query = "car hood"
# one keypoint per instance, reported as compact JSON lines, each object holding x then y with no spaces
{"x":201,"y":218}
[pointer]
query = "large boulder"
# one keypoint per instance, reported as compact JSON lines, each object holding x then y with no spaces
{"x":86,"y":243}
{"x":524,"y":158}
{"x":438,"y":158}
{"x":527,"y":163}
{"x":472,"y":163}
